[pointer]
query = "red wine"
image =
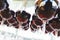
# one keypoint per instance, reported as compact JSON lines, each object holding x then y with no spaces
{"x":46,"y":11}
{"x":5,"y":13}
{"x":55,"y":23}
{"x":53,"y":26}
{"x":35,"y":23}
{"x":24,"y":18}
{"x":48,"y":28}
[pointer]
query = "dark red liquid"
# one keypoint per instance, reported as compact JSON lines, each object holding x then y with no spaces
{"x":53,"y":24}
{"x":35,"y":23}
{"x":46,"y":11}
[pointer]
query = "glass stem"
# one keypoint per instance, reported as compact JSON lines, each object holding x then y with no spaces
{"x":44,"y":26}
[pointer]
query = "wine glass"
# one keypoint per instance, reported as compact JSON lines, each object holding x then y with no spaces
{"x":54,"y":23}
{"x":22,"y":17}
{"x":3,"y":6}
{"x":54,"y":26}
{"x":45,"y":13}
{"x":36,"y":23}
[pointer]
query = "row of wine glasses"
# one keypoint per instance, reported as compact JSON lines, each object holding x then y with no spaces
{"x":41,"y":19}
